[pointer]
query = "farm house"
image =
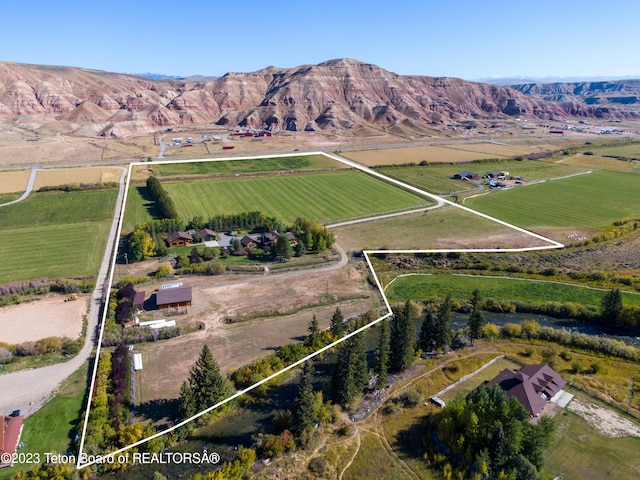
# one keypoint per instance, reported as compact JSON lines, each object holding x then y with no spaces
{"x":175,"y":300}
{"x":179,"y":239}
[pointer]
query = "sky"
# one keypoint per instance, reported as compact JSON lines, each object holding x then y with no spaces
{"x":465,"y":38}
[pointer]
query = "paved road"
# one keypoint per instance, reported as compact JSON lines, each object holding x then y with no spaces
{"x":32,"y":180}
{"x":28,"y":390}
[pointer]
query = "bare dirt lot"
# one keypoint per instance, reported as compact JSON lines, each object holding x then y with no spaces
{"x":605,"y":421}
{"x":50,"y":317}
{"x":268,"y":311}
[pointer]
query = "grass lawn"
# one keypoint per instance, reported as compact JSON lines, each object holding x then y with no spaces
{"x":323,"y":197}
{"x":56,"y":208}
{"x":65,"y":250}
{"x":52,"y":428}
{"x":474,"y":382}
{"x":592,"y":200}
{"x":418,"y":287}
{"x":308,"y":162}
{"x":579,"y":451}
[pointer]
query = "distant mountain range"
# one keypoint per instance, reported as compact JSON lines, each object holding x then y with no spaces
{"x":523,"y":79}
{"x":333,"y":95}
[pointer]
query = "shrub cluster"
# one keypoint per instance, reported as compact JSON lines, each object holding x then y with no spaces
{"x":77,"y":187}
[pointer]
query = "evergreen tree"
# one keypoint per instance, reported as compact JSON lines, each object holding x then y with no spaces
{"x":351,"y":373}
{"x":283,"y":249}
{"x":403,"y":338}
{"x":186,"y":409}
{"x":194,"y":257}
{"x":207,"y":385}
{"x":314,"y":339}
{"x":611,"y":306}
{"x":498,"y":447}
{"x":382,"y":355}
{"x":427,"y":336}
{"x":336,"y":326}
{"x":301,"y":249}
{"x":444,"y":331}
{"x":476,"y":319}
{"x":304,"y":414}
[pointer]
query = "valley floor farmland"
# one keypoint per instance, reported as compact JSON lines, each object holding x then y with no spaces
{"x":420,"y":287}
{"x":446,"y":227}
{"x":55,"y":234}
{"x":591,"y":200}
{"x":437,"y":178}
{"x":323,"y":197}
{"x":457,"y":152}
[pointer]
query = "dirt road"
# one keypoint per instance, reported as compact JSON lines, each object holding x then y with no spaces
{"x":28,"y":390}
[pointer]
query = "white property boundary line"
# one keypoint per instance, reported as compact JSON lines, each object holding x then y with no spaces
{"x":552,"y":244}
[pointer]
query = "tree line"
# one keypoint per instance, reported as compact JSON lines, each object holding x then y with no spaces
{"x":165,"y":206}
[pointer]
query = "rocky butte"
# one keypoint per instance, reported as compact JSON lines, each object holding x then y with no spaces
{"x":337,"y":94}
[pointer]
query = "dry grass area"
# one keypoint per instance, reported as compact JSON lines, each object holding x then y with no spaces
{"x":268,"y":311}
{"x":454,"y":153}
{"x":55,"y":177}
{"x":14,"y":181}
{"x":49,"y":150}
{"x":600,"y":163}
{"x":50,"y":317}
{"x":447,"y":227}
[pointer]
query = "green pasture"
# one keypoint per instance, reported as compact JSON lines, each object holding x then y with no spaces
{"x":9,"y":197}
{"x":56,"y":208}
{"x":138,"y":209}
{"x":579,"y":451}
{"x":592,"y":200}
{"x":419,"y":287}
{"x":302,"y":162}
{"x":66,"y":250}
{"x":52,"y":428}
{"x":323,"y":196}
{"x":437,"y":178}
{"x":470,"y":384}
{"x":630,"y":151}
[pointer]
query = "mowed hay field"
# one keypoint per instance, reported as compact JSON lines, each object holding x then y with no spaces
{"x":55,"y":208}
{"x":591,"y":200}
{"x":14,"y":181}
{"x":302,"y":162}
{"x":420,"y":287}
{"x":54,"y":251}
{"x":455,"y":153}
{"x":321,"y":196}
{"x":55,"y":234}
